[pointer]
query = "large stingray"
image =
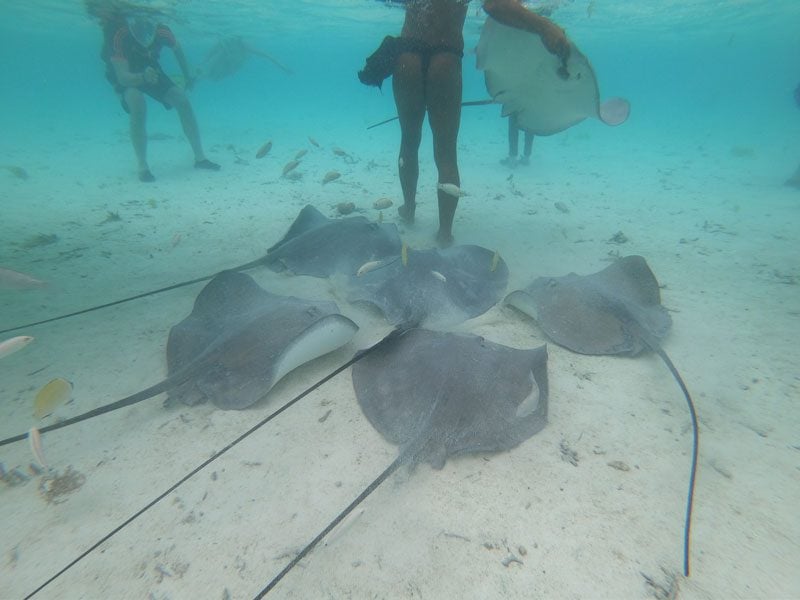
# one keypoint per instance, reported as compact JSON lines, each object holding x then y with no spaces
{"x":614,"y":311}
{"x":318,"y":246}
{"x":445,"y":286}
{"x":228,"y":55}
{"x":440,"y":394}
{"x":236,"y":344}
{"x":240,"y":340}
{"x":546,"y":95}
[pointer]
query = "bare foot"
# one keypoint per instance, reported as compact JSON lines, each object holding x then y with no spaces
{"x":444,"y":240}
{"x":406,"y":213}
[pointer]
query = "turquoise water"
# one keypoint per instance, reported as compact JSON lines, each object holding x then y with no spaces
{"x":694,"y":178}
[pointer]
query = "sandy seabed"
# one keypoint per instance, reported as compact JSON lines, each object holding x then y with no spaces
{"x":715,"y":224}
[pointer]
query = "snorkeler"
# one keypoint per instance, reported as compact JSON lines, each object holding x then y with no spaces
{"x":425,"y":65}
{"x":131,"y":49}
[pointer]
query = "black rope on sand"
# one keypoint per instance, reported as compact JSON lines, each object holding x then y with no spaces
{"x":168,"y":288}
{"x":339,"y":518}
{"x":358,"y":356}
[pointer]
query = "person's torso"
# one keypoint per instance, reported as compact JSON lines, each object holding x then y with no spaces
{"x":125,"y":47}
{"x":436,"y":22}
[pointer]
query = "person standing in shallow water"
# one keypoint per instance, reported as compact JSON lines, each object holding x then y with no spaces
{"x":131,"y":50}
{"x":427,"y":79}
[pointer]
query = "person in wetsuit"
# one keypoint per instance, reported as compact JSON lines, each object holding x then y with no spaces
{"x":131,"y":49}
{"x":427,"y":79}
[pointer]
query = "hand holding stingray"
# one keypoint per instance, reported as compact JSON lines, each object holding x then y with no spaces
{"x":440,"y":394}
{"x":615,"y":311}
{"x":546,"y":95}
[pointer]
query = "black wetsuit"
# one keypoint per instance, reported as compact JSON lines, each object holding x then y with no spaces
{"x":119,"y":44}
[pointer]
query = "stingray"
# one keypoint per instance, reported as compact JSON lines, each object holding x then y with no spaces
{"x":438,"y":395}
{"x":614,"y":311}
{"x":546,"y":94}
{"x":240,"y":340}
{"x":228,"y":55}
{"x":445,"y":286}
{"x":236,"y":344}
{"x":318,"y":246}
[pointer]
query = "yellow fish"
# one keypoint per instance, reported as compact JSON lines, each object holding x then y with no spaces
{"x":290,"y":166}
{"x":404,"y":254}
{"x":51,"y":396}
{"x":331,"y":176}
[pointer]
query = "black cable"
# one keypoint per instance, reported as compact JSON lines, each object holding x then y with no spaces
{"x":358,"y":356}
{"x":175,"y":286}
{"x":687,"y":527}
{"x":342,"y":515}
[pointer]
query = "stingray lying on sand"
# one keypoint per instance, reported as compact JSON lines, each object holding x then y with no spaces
{"x":615,"y":311}
{"x":422,"y":286}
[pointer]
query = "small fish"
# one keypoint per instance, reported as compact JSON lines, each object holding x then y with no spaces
{"x":382,"y":203}
{"x":17,"y":172}
{"x":176,"y":239}
{"x":452,"y":189}
{"x":380,"y":217}
{"x":339,"y":152}
{"x":439,"y":276}
{"x":345,"y":208}
{"x":19,"y":281}
{"x":367,"y":267}
{"x":300,"y":154}
{"x":314,"y":142}
{"x":495,"y":261}
{"x":13,"y":344}
{"x":264,"y":150}
{"x":51,"y":396}
{"x":35,"y":439}
{"x":404,"y":254}
{"x":290,"y":166}
{"x":331,"y":176}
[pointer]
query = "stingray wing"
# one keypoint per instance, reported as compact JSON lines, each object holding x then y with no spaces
{"x":528,"y":81}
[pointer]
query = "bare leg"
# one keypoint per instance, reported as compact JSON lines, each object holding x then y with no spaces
{"x":409,"y":96}
{"x":526,"y":153}
{"x":137,"y":108}
{"x":444,"y":115}
{"x":177,"y":98}
{"x":513,"y":136}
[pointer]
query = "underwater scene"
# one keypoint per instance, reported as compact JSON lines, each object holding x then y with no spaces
{"x":400,"y":299}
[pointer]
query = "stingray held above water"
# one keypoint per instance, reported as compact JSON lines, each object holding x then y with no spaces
{"x":614,"y":311}
{"x":318,"y":246}
{"x":545,"y":94}
{"x":442,"y":394}
{"x":445,"y":286}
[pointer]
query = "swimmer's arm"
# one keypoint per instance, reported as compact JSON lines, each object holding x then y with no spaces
{"x":124,"y":75}
{"x":184,"y":65}
{"x":513,"y":14}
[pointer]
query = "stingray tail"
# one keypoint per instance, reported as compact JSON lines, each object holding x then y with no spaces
{"x":695,"y":443}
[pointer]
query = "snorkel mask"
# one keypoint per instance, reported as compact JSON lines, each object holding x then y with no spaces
{"x":143,"y":30}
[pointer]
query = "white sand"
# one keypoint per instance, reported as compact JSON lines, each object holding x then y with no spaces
{"x":719,"y":231}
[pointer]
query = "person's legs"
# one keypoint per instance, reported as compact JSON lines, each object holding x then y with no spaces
{"x":527,"y":149}
{"x":177,"y":98}
{"x":137,"y":108}
{"x":409,"y":96}
{"x":444,"y":114}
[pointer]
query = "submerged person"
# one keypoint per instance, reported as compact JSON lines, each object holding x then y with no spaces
{"x":794,"y":180}
{"x":425,"y":64}
{"x":513,"y":144}
{"x":131,"y":49}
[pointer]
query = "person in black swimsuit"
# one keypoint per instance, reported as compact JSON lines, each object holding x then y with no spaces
{"x":427,"y":79}
{"x":131,"y":48}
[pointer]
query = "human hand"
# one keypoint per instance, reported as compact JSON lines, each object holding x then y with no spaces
{"x":150,"y":75}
